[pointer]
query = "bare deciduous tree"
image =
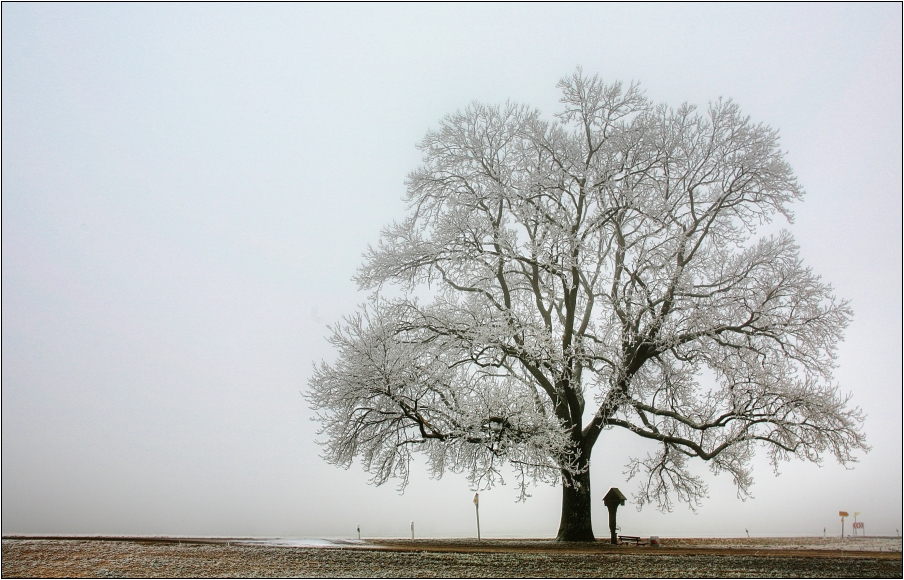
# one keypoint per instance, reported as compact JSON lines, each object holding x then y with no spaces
{"x":594,"y":272}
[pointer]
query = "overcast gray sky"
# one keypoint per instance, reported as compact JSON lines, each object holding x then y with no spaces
{"x":188,"y":189}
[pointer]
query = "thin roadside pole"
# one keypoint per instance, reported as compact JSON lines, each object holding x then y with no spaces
{"x":477,"y":509}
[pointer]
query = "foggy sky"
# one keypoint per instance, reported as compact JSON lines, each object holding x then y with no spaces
{"x":188,"y":189}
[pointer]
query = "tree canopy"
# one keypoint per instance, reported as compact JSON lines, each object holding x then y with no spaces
{"x":599,"y":270}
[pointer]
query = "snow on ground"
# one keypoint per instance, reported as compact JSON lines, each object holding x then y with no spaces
{"x":296,"y":542}
{"x":853,"y":544}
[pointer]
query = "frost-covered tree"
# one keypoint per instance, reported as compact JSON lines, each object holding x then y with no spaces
{"x":597,"y":271}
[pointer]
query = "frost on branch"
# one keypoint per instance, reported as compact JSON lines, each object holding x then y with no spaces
{"x":598,"y":270}
{"x":395,"y":390}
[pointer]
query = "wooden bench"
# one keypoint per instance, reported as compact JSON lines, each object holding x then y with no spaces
{"x":636,"y":540}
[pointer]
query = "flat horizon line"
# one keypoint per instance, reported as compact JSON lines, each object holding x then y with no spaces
{"x":216,"y":538}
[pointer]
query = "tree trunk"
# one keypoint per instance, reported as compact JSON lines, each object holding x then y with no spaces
{"x":576,"y":525}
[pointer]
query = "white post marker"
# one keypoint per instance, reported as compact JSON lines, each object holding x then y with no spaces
{"x":412,"y":529}
{"x":477,"y":509}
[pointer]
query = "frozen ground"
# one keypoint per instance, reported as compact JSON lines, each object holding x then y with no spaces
{"x":849,"y":544}
{"x":859,"y":544}
{"x":274,"y":557}
{"x":298,"y":542}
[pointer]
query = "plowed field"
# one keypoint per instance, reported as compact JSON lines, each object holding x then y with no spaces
{"x":213,"y":558}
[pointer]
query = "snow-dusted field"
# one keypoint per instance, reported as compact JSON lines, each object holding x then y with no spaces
{"x":859,"y":544}
{"x":698,"y":558}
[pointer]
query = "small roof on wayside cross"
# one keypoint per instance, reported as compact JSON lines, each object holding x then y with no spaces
{"x":614,"y":496}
